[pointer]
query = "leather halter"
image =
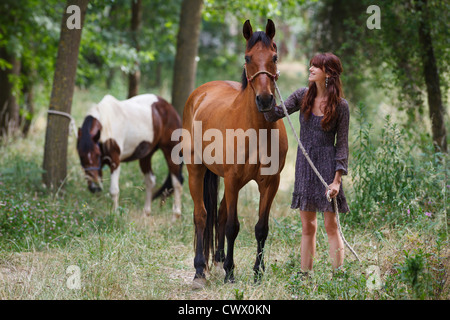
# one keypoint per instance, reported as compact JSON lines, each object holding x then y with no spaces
{"x":274,"y":77}
{"x":93,"y":168}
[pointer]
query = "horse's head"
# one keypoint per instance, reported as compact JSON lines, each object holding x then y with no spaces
{"x":90,"y":153}
{"x":260,"y":69}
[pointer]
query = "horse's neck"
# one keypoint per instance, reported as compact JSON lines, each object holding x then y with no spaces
{"x":106,"y":113}
{"x":94,"y":112}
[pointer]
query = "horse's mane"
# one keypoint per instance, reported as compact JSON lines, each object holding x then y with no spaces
{"x":258,"y":36}
{"x":85,"y":143}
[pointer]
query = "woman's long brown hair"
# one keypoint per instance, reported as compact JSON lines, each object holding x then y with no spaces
{"x":332,"y":66}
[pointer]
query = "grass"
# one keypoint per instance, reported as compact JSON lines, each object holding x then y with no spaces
{"x":124,"y":255}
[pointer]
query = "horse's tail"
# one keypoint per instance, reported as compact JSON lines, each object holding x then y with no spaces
{"x":167,"y":187}
{"x":165,"y":190}
{"x":210,"y":194}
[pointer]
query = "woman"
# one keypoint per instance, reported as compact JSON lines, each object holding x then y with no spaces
{"x":324,"y":120}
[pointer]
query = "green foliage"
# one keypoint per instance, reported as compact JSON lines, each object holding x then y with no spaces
{"x":412,"y":273}
{"x":30,"y":219}
{"x":219,"y":10}
{"x":423,"y":272}
{"x":238,"y":294}
{"x":395,"y":181}
{"x":222,"y":45}
{"x":107,"y":42}
{"x":348,"y":284}
{"x":36,"y":51}
{"x":388,"y":58}
{"x":108,"y":51}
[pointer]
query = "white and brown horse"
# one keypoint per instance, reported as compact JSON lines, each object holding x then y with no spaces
{"x":121,"y":131}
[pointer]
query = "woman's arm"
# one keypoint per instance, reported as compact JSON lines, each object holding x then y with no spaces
{"x":343,"y":123}
{"x":341,"y":157}
{"x":292,"y":103}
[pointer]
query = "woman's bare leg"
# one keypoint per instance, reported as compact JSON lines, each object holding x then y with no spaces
{"x":308,"y":242}
{"x":334,"y":239}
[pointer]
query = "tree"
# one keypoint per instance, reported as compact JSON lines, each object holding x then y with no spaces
{"x":26,"y":58}
{"x":9,"y":70}
{"x":56,"y":137}
{"x":431,"y":76}
{"x":9,"y":107}
{"x":187,"y":48}
{"x":135,"y":75}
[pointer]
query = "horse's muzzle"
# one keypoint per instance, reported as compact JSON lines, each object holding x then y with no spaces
{"x":265,"y":102}
{"x":94,"y":188}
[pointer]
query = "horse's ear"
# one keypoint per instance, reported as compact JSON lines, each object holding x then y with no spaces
{"x":270,"y":29}
{"x":95,"y":130}
{"x":247,"y":30}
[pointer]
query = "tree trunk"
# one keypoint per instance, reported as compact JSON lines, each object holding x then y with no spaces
{"x":28,"y":110}
{"x":431,"y":75}
{"x":9,"y":107}
{"x":56,"y":137}
{"x":136,"y":18}
{"x":187,"y":47}
{"x":112,"y":16}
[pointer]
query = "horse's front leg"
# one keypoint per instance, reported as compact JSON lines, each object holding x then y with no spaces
{"x":268,"y":187}
{"x":114,"y":187}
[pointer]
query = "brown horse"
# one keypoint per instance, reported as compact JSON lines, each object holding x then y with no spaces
{"x":121,"y":131}
{"x":221,"y":107}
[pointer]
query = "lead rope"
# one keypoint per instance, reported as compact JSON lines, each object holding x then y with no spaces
{"x":67,"y":115}
{"x":316,"y":172}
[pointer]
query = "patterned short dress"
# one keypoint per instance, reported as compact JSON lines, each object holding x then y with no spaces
{"x":328,"y":151}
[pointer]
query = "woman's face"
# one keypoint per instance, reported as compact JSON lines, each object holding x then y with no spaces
{"x":316,"y":74}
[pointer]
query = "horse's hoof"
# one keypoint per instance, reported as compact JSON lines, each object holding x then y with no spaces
{"x":229,"y":278}
{"x":257,"y":278}
{"x":198,"y":283}
{"x":259,"y":274}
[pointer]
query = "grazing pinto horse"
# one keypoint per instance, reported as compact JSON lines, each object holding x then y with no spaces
{"x":224,"y":106}
{"x":120,"y":131}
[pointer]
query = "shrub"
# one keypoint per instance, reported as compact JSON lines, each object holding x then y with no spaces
{"x":395,"y":178}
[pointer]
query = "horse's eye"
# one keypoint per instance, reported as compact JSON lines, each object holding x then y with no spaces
{"x":247,"y":59}
{"x":275,"y":58}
